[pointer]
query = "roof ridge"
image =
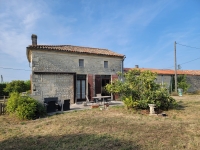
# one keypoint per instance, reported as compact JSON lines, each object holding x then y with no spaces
{"x":78,"y":49}
{"x":69,"y":45}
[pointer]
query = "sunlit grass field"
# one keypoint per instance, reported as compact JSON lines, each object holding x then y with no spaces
{"x":113,"y":129}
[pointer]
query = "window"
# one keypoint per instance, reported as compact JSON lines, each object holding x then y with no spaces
{"x":81,"y":62}
{"x":105,"y":64}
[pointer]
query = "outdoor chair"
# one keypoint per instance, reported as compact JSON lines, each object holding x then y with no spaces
{"x":99,"y":99}
{"x":108,"y":100}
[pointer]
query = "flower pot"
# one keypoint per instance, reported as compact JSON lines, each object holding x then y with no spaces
{"x":95,"y":106}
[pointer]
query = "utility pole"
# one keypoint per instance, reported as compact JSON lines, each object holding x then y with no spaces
{"x":175,"y":67}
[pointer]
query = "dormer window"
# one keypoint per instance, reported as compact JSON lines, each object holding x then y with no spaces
{"x":81,"y":62}
{"x":105,"y":64}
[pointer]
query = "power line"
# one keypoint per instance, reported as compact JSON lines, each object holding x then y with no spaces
{"x":186,"y":62}
{"x":190,"y":61}
{"x":188,"y":46}
{"x":15,"y":69}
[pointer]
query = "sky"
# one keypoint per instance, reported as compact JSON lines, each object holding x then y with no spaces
{"x":143,"y":30}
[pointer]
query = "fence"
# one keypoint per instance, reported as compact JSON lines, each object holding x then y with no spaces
{"x":3,"y":104}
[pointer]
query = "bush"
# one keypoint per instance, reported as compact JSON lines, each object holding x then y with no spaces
{"x":24,"y":107}
{"x":12,"y":103}
{"x":17,"y":86}
{"x":140,"y":89}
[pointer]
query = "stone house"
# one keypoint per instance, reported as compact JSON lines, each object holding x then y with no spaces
{"x":71,"y":72}
{"x":166,"y":76}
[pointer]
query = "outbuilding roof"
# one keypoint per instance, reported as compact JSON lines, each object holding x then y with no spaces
{"x":167,"y":71}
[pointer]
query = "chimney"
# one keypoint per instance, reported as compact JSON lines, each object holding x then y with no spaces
{"x":136,"y":66}
{"x":34,"y":39}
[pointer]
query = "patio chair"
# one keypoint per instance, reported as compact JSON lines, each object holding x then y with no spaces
{"x":99,"y":99}
{"x":108,"y":100}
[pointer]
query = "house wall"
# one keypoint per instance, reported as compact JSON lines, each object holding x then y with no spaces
{"x":54,"y":85}
{"x":51,"y":85}
{"x":69,"y":62}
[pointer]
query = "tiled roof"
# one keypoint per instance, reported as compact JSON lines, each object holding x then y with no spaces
{"x":76,"y":49}
{"x":168,"y":71}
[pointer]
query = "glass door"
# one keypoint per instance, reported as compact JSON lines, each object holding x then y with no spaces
{"x":81,"y":87}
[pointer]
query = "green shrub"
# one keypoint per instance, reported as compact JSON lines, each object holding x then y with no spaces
{"x":142,"y":104}
{"x":12,"y":103}
{"x":138,"y":89}
{"x":128,"y":102}
{"x":17,"y":86}
{"x":40,"y":111}
{"x":24,"y":107}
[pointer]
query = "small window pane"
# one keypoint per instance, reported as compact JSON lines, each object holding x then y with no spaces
{"x":105,"y":64}
{"x":81,"y":62}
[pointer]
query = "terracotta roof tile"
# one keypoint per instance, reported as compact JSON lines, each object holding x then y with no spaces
{"x":168,"y":71}
{"x":77,"y":49}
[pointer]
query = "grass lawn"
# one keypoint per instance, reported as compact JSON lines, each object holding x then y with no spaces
{"x":115,"y":128}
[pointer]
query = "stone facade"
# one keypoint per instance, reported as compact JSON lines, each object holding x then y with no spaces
{"x":69,"y":62}
{"x":165,"y":80}
{"x":53,"y":85}
{"x":194,"y":82}
{"x":54,"y":73}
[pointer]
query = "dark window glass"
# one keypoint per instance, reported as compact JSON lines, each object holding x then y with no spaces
{"x":81,"y":62}
{"x":105,"y":64}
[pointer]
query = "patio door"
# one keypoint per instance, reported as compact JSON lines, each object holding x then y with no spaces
{"x":81,"y":87}
{"x":100,"y":82}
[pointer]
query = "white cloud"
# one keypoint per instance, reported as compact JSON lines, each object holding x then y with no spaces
{"x":18,"y":19}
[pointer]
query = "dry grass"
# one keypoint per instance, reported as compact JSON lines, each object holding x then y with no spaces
{"x":115,"y":128}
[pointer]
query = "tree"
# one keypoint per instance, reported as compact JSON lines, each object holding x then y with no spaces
{"x":16,"y":86}
{"x":2,"y":92}
{"x":28,"y":85}
{"x":182,"y":83}
{"x":140,"y":89}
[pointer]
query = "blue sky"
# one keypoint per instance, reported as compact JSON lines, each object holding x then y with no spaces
{"x":143,"y":30}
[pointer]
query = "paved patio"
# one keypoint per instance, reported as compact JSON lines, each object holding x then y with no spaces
{"x":79,"y":106}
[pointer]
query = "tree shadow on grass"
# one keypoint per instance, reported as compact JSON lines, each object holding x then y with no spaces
{"x":180,"y":105}
{"x":68,"y":142}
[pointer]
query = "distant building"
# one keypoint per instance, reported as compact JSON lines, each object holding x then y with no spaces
{"x":166,"y":76}
{"x":71,"y":72}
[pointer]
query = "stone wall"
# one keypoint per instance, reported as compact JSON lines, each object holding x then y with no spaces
{"x":164,"y":80}
{"x":69,"y":62}
{"x":62,"y":85}
{"x":194,"y":82}
{"x":54,"y":85}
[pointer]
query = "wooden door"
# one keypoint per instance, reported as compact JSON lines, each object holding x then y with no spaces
{"x":98,"y":83}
